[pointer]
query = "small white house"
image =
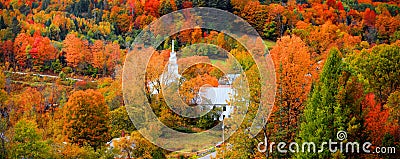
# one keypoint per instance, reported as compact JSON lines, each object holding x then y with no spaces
{"x":219,"y":97}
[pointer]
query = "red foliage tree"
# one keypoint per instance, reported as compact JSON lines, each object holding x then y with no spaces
{"x":42,"y":50}
{"x":340,"y":5}
{"x":33,"y":50}
{"x":151,"y":7}
{"x":376,"y":120}
{"x":6,"y":51}
{"x":187,"y":4}
{"x":331,"y":3}
{"x":369,"y":17}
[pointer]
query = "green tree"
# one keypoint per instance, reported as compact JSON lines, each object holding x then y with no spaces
{"x":144,"y":148}
{"x":393,"y":105}
{"x":381,"y":69}
{"x":120,"y":122}
{"x":323,"y":115}
{"x":270,"y":30}
{"x":3,"y":111}
{"x":28,"y":142}
{"x":165,"y":7}
{"x":3,"y":128}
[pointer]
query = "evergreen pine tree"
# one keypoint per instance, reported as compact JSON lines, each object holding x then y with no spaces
{"x":15,"y":26}
{"x":2,"y":24}
{"x":323,"y":115}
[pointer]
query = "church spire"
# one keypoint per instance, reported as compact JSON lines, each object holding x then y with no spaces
{"x":172,"y":64}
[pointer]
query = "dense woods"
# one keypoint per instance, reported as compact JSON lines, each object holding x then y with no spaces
{"x":337,"y":65}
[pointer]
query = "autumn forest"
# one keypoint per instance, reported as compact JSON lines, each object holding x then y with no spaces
{"x":337,"y":68}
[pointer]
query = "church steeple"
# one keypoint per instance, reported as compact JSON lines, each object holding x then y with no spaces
{"x":172,"y":64}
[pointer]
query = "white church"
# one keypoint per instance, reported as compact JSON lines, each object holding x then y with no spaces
{"x":214,"y":97}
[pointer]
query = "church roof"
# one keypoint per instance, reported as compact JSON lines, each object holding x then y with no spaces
{"x":216,"y":95}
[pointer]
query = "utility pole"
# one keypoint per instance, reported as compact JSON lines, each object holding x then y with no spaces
{"x":223,"y":136}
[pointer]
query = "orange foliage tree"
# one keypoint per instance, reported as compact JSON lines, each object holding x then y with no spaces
{"x":26,"y":104}
{"x":189,"y":89}
{"x":386,"y":25}
{"x":196,"y":35}
{"x":292,"y":65}
{"x":86,"y":119}
{"x":105,"y":56}
{"x":124,"y":22}
{"x":77,"y":50}
{"x":155,"y":68}
{"x":21,"y":46}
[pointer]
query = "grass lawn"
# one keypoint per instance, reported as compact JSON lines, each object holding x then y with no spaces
{"x":269,"y":44}
{"x":214,"y":61}
{"x":189,"y":145}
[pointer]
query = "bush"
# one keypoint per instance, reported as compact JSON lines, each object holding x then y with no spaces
{"x":56,"y":66}
{"x":67,"y":70}
{"x":62,"y":76}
